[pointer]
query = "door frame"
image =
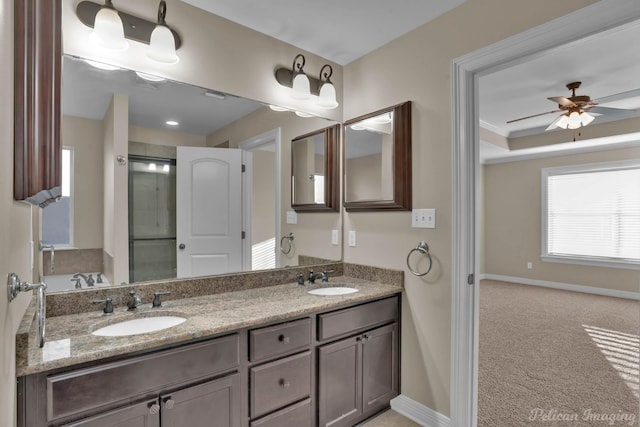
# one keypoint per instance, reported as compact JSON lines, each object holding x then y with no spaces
{"x":272,"y":136}
{"x":466,"y":70}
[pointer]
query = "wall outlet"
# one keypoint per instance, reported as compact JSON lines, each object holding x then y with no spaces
{"x":352,"y":238}
{"x":529,"y":265}
{"x":335,"y":237}
{"x":292,"y":217}
{"x":423,"y":218}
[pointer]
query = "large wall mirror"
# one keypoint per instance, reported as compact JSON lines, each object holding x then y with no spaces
{"x":123,"y":148}
{"x":314,"y":171}
{"x":377,"y":160}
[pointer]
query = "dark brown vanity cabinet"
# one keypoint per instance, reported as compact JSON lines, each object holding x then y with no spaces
{"x":357,"y":375}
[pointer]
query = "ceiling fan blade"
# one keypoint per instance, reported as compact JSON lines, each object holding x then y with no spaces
{"x":535,"y":115}
{"x":611,"y":112}
{"x":561,"y":100}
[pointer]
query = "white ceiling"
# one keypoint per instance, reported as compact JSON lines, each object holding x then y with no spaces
{"x":338,"y":30}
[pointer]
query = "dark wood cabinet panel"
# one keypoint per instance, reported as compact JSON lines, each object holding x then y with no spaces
{"x":37,"y":88}
{"x":279,"y":383}
{"x":379,"y":368}
{"x":212,"y":404}
{"x":297,"y":415}
{"x":352,"y":320}
{"x":279,"y":340}
{"x":145,"y":414}
{"x":340,"y":383}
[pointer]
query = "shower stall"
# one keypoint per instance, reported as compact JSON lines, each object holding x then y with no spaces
{"x":152,"y":218}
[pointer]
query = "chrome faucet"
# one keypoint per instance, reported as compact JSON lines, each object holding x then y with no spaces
{"x":133,"y":301}
{"x":42,"y":246}
{"x":324,"y":276}
{"x":88,"y":280}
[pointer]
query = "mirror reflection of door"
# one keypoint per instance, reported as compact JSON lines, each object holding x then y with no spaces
{"x":308,"y":162}
{"x":369,"y":159}
{"x":209,"y":211}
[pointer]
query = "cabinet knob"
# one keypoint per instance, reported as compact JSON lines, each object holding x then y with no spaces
{"x":154,"y":409}
{"x":284,"y":384}
{"x":169,"y":403}
{"x":283,"y":339}
{"x":365,"y":337}
{"x":181,"y":246}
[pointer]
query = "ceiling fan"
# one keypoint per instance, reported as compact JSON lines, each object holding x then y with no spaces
{"x":578,"y":110}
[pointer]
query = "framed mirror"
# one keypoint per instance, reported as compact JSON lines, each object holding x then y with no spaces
{"x":377,"y":160}
{"x":314,"y":171}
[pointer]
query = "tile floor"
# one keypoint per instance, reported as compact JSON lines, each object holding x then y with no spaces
{"x":390,"y":418}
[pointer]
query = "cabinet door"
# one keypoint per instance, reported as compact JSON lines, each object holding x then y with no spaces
{"x":145,"y":414}
{"x":339,"y":382}
{"x":379,"y":367}
{"x":212,"y":404}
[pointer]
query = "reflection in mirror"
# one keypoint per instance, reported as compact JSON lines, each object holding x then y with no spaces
{"x":116,"y":122}
{"x":314,"y":171}
{"x":377,"y":160}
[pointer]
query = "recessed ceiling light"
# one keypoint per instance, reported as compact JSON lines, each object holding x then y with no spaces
{"x":101,"y":65}
{"x":172,"y":123}
{"x":150,"y":77}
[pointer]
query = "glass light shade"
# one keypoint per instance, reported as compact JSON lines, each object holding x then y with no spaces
{"x":278,"y":108}
{"x":162,"y":46}
{"x":574,"y":120}
{"x":149,"y":77}
{"x":300,"y":88}
{"x":303,"y":114}
{"x":563,"y":122}
{"x":586,"y":118}
{"x":327,"y":97}
{"x":108,"y":31}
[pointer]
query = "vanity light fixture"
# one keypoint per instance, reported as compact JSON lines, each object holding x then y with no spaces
{"x":158,"y":35}
{"x":172,"y":123}
{"x":320,"y":91}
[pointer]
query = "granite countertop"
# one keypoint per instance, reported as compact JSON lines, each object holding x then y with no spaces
{"x":69,"y":340}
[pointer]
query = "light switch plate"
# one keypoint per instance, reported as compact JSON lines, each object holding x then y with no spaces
{"x":292,"y":217}
{"x":352,"y":238}
{"x":335,"y":238}
{"x":423,"y":218}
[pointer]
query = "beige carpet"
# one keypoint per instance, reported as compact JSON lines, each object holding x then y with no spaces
{"x":556,"y":358}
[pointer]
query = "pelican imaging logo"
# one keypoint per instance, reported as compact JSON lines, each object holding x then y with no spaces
{"x":555,"y":416}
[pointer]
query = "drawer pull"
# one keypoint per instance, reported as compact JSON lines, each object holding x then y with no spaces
{"x":365,"y":337}
{"x":169,"y":403}
{"x":154,"y":409}
{"x":283,"y":339}
{"x":284,"y":384}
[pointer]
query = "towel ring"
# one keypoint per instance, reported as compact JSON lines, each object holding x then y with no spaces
{"x":288,"y":242}
{"x":423,"y":248}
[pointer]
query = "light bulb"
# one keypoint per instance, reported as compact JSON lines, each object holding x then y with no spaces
{"x":162,"y":46}
{"x":574,"y":120}
{"x":108,"y":31}
{"x":563,"y":122}
{"x":300,"y":88}
{"x":327,"y":97}
{"x":586,"y":118}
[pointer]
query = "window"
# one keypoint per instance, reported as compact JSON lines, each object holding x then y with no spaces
{"x":591,"y":214}
{"x":57,"y":218}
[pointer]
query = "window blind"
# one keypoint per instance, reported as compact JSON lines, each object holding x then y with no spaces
{"x":594,"y":214}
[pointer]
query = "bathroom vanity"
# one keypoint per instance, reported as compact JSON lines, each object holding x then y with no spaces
{"x":264,"y":357}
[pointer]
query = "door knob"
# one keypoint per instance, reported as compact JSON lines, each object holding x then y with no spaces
{"x":181,"y":246}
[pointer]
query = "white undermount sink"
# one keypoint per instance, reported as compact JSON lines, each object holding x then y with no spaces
{"x":138,"y":326}
{"x":335,"y":290}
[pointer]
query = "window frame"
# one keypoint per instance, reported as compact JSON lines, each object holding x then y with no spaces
{"x":593,"y":261}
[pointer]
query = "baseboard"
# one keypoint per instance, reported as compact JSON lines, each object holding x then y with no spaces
{"x":564,"y":286}
{"x":419,"y":413}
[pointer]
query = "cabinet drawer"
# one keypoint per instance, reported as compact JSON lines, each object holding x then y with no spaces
{"x":279,"y":339}
{"x":298,"y":415}
{"x":351,"y":320}
{"x":83,"y":389}
{"x":279,"y":383}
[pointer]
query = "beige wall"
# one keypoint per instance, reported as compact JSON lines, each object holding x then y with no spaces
{"x":166,"y":137}
{"x":85,"y":137}
{"x":417,"y":67}
{"x":15,"y":226}
{"x":512,"y":210}
{"x":263,"y":218}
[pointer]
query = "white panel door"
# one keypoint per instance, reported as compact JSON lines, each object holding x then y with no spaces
{"x":208,"y":211}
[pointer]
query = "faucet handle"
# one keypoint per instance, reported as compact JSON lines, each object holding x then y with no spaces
{"x":78,"y":285}
{"x":99,"y":278}
{"x":300,"y":278}
{"x":108,"y":304}
{"x":156,"y":298}
{"x":90,"y":280}
{"x":134,"y":300}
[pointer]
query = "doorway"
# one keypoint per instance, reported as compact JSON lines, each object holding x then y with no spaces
{"x":586,"y":22}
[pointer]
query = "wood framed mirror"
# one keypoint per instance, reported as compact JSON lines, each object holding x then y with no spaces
{"x":377,"y":160}
{"x":314,"y":171}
